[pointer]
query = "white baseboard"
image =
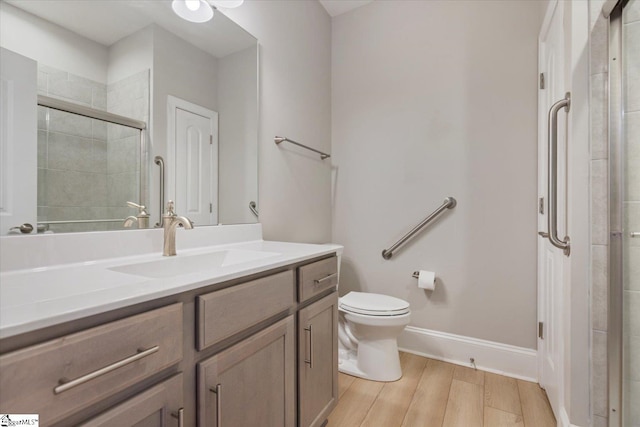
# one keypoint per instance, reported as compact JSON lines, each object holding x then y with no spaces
{"x":563,"y":420}
{"x":504,"y":359}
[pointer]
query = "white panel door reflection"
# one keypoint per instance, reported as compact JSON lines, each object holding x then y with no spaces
{"x":196,"y":165}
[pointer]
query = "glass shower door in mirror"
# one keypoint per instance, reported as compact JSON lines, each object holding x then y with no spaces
{"x":88,"y":170}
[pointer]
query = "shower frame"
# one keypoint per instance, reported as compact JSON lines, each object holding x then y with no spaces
{"x":616,"y":217}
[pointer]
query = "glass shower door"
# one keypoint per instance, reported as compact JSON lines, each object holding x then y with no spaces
{"x":630,"y":165}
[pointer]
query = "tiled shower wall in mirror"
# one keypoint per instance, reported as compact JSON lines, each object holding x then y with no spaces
{"x":599,"y":118}
{"x":89,"y":169}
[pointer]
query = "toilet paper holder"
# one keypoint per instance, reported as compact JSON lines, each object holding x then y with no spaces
{"x":416,"y":274}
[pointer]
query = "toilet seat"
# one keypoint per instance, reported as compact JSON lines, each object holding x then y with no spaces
{"x":369,"y":304}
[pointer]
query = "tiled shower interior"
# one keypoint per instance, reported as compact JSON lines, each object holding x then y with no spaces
{"x":600,"y":181}
{"x":88,"y":169}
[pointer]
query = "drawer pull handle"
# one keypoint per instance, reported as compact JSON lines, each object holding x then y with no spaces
{"x":179,"y":416}
{"x":69,"y":384}
{"x":310,"y":360}
{"x":218,"y":391}
{"x":324,"y":279}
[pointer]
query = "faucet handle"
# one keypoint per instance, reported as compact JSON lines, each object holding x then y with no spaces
{"x":142,"y":209}
{"x":170,"y":208}
{"x":135,"y":205}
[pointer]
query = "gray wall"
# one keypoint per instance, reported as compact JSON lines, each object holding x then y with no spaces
{"x":295,"y":101}
{"x":434,"y":99}
{"x":238,"y":150}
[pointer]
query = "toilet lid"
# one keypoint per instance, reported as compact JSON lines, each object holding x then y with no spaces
{"x":373,"y":304}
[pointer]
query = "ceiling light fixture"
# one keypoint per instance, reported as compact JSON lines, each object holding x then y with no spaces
{"x":226,"y":4}
{"x":193,"y":10}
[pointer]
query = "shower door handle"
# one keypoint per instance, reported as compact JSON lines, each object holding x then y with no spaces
{"x":552,"y":181}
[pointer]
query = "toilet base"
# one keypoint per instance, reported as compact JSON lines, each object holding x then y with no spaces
{"x":348,"y":364}
{"x":387,"y":370}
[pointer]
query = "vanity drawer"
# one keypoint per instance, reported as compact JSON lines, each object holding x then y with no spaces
{"x":92,"y":364}
{"x":162,"y":402}
{"x":224,"y":313}
{"x":317,"y":277}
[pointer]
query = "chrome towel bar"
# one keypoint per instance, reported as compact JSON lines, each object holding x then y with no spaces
{"x":279,"y":139}
{"x":449,"y":203}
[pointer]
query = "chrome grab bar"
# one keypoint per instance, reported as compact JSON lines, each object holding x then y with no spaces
{"x":449,"y":203}
{"x":69,"y":384}
{"x":552,"y":181}
{"x":253,"y":207}
{"x":279,"y":139}
{"x":635,"y":234}
{"x":160,"y":162}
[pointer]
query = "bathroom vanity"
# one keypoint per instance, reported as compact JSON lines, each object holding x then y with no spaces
{"x":246,"y":337}
{"x":99,"y":328}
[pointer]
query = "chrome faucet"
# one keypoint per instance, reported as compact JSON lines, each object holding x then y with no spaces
{"x":171,"y":221}
{"x":142,"y":219}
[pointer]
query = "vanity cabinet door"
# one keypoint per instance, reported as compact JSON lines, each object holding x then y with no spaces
{"x":159,"y":406}
{"x":318,"y":361}
{"x":251,"y":383}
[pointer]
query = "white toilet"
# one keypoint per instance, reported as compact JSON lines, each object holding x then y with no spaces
{"x":368,"y":328}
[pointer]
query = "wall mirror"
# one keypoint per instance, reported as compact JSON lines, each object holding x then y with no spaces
{"x":193,"y":87}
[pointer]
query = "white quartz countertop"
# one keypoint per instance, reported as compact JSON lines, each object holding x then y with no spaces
{"x":34,"y":298}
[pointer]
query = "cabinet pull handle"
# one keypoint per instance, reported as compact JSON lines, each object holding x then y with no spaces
{"x":179,"y":416}
{"x":218,"y":391}
{"x":66,"y":384}
{"x":324,"y":279}
{"x":310,"y":360}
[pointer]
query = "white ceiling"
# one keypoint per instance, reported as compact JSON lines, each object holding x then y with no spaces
{"x":338,"y":7}
{"x":107,"y":21}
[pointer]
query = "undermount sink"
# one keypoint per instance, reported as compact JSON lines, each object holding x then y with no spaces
{"x":187,"y":264}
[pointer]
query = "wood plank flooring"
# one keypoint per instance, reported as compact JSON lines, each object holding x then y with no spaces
{"x":439,"y":394}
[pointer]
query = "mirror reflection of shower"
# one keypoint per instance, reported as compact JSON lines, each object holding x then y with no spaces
{"x":88,"y":169}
